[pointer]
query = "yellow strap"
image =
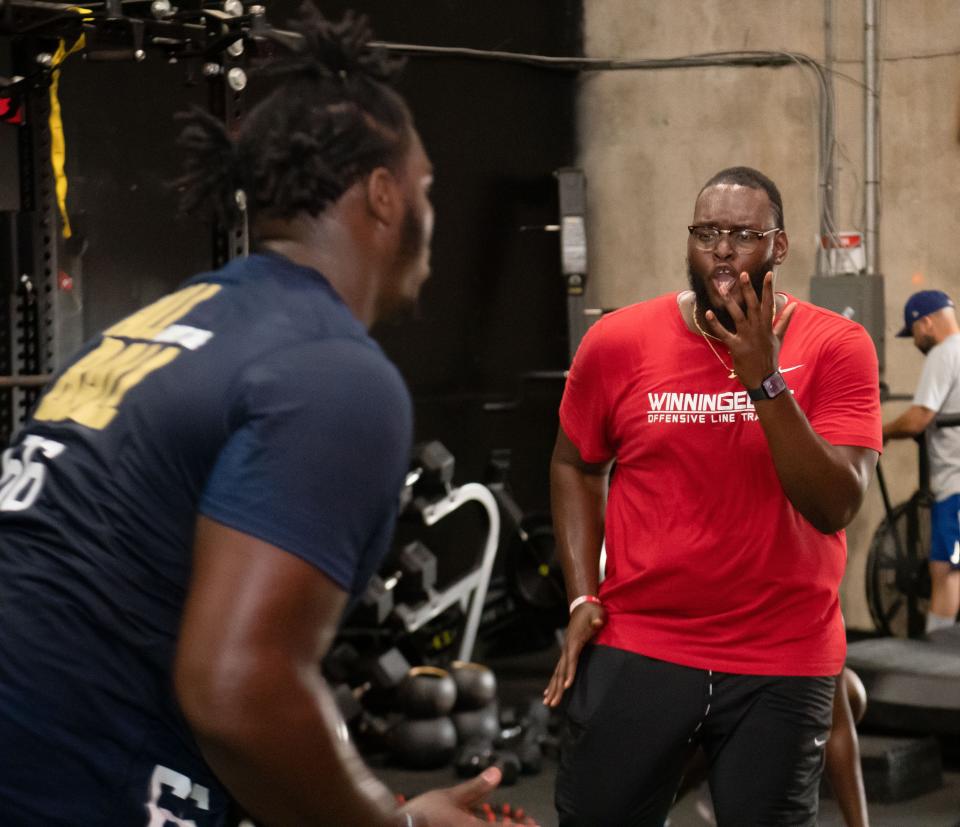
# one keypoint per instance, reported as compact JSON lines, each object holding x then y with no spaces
{"x":57,"y":144}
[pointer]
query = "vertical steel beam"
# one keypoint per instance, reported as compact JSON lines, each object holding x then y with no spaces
{"x":228,"y":80}
{"x":871,"y":236}
{"x":29,"y":268}
{"x":35,"y":281}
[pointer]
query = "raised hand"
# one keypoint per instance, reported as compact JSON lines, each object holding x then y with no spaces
{"x":755,"y":347}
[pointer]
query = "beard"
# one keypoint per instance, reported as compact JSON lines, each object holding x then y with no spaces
{"x":400,"y":303}
{"x":411,"y":237}
{"x":698,"y":284}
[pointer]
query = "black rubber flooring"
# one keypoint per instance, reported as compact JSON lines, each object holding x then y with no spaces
{"x":523,"y":677}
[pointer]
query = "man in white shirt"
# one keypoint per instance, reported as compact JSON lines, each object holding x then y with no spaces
{"x":930,"y":319}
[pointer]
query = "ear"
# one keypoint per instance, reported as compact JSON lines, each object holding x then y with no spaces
{"x":383,"y":196}
{"x":780,"y":246}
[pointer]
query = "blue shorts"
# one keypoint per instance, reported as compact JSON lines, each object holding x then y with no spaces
{"x":945,"y":531}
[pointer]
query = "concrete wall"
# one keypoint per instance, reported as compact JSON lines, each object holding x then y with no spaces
{"x":649,"y":139}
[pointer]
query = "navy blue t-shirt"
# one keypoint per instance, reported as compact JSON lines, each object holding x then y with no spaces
{"x":252,"y":396}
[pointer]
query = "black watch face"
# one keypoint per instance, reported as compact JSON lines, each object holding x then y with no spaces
{"x":774,"y":385}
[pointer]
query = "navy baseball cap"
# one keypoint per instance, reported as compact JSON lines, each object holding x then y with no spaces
{"x":922,"y":304}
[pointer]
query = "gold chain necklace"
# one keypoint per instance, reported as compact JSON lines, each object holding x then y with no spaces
{"x":706,"y":337}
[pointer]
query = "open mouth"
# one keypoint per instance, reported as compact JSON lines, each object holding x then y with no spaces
{"x":724,"y":280}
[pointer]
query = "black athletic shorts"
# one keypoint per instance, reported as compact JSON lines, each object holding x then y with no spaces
{"x":632,"y":723}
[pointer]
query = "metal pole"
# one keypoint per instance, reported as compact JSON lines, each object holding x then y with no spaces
{"x":871,"y":236}
{"x":828,"y":161}
{"x":25,"y":380}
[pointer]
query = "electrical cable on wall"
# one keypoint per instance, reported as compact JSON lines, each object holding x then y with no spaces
{"x":826,"y":119}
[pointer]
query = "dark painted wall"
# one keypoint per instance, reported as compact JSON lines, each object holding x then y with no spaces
{"x":494,"y":307}
{"x":120,"y":135}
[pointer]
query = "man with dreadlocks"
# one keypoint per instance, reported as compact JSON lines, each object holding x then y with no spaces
{"x":204,"y":487}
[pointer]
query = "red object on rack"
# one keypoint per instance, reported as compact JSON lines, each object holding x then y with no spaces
{"x":10,"y":111}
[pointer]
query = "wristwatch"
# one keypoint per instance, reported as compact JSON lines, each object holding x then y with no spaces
{"x":769,"y":388}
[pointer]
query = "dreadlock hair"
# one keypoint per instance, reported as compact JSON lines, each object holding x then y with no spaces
{"x":755,"y":180}
{"x":331,"y":120}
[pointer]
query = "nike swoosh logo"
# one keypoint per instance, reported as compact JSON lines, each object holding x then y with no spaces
{"x":819,"y":742}
{"x":787,"y":370}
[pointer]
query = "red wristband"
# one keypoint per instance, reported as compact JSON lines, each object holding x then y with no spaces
{"x":584,"y":598}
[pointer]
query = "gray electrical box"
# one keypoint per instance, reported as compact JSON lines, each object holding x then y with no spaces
{"x":859,"y":298}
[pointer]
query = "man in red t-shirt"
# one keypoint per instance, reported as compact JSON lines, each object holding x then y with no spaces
{"x":742,"y":450}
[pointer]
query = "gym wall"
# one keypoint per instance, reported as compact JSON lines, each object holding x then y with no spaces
{"x":649,"y":140}
{"x":495,"y":306}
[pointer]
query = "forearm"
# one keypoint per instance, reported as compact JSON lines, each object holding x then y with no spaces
{"x":843,"y":763}
{"x":910,"y":424}
{"x":817,"y":477}
{"x":845,"y":776}
{"x":279,"y":746}
{"x":578,"y":501}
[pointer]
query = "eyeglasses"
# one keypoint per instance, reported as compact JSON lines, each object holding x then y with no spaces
{"x":742,"y":240}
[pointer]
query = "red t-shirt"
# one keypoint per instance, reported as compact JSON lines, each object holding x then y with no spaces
{"x":709,"y":565}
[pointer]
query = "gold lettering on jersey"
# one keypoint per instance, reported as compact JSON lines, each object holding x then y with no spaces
{"x":90,"y":391}
{"x":147,"y":323}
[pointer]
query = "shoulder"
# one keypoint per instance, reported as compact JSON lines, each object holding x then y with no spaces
{"x":815,"y":315}
{"x":240,"y":269}
{"x":947,"y":352}
{"x":826,"y":326}
{"x":268,"y":299}
{"x":333,"y":366}
{"x":833,"y":343}
{"x":275,"y":320}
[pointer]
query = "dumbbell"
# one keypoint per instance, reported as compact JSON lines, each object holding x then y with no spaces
{"x":415,"y":574}
{"x":510,"y":767}
{"x":417,"y":566}
{"x":534,"y":719}
{"x":478,"y":753}
{"x":430,"y":475}
{"x":473,"y":757}
{"x":534,"y":716}
{"x":383,"y":670}
{"x":382,"y":674}
{"x":436,"y":463}
{"x":341,"y":663}
{"x":370,"y":680}
{"x":375,"y":604}
{"x":529,"y":753}
{"x":369,"y":729}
